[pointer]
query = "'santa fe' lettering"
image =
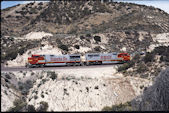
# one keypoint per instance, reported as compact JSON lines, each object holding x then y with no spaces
{"x":58,"y":59}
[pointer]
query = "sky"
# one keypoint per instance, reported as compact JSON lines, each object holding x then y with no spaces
{"x":162,"y":4}
{"x":6,"y":4}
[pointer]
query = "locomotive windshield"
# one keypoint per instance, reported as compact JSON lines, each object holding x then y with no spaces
{"x":74,"y":57}
{"x":93,"y":55}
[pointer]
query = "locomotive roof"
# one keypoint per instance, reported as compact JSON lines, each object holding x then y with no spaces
{"x":101,"y":53}
{"x":74,"y":54}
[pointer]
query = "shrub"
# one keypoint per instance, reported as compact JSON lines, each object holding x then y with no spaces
{"x":31,"y":108}
{"x":23,"y":8}
{"x":43,"y":106}
{"x":17,"y":102}
{"x":142,"y":86}
{"x":107,"y":108}
{"x":68,"y":78}
{"x":18,"y":106}
{"x":97,"y":38}
{"x":143,"y":75}
{"x":77,"y":46}
{"x":32,"y":73}
{"x":29,"y":84}
{"x":123,"y":67}
{"x":96,"y":87}
{"x":11,"y":55}
{"x":88,"y":35}
{"x":8,"y":16}
{"x":8,"y":76}
{"x":41,"y":3}
{"x":39,"y":84}
{"x":141,"y":68}
{"x":88,"y":39}
{"x":35,"y":97}
{"x":63,"y":47}
{"x":149,"y":57}
{"x":42,"y":96}
{"x":121,"y":107}
{"x":6,"y":80}
{"x":82,"y":37}
{"x":21,"y":51}
{"x":160,"y":50}
{"x":24,"y":87}
{"x":97,"y":48}
{"x":52,"y":75}
{"x":87,"y":89}
{"x":20,"y":87}
{"x":44,"y":80}
{"x":162,"y":58}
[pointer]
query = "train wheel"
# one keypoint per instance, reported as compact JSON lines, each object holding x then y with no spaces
{"x":41,"y":66}
{"x":100,"y":62}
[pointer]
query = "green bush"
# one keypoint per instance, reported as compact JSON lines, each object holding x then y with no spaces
{"x":21,"y":87}
{"x":149,"y":57}
{"x":18,"y":106}
{"x":52,"y":75}
{"x":126,"y":66}
{"x":42,"y":96}
{"x":11,"y":55}
{"x":24,"y":87}
{"x":31,"y":108}
{"x":121,"y":107}
{"x":97,"y":48}
{"x":82,"y":37}
{"x":88,"y":35}
{"x":21,"y":51}
{"x":123,"y":67}
{"x":77,"y":46}
{"x":97,"y":38}
{"x":63,"y":47}
{"x":43,"y":106}
{"x":141,"y":68}
{"x":41,"y":3}
{"x":107,"y":108}
{"x":8,"y":16}
{"x":35,"y":97}
{"x":163,"y":51}
{"x":160,"y":50}
{"x":8,"y":76}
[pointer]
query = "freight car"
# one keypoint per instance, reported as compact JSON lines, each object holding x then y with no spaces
{"x":77,"y":59}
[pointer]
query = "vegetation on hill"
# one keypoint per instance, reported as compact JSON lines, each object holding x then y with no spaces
{"x":82,"y":17}
{"x":154,"y":98}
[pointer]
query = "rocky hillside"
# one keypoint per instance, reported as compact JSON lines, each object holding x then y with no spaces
{"x":68,"y":27}
{"x":68,"y":90}
{"x":82,"y":17}
{"x":16,"y":50}
{"x":90,"y":26}
{"x":154,"y":98}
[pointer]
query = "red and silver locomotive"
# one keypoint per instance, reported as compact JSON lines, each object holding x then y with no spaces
{"x":77,"y":59}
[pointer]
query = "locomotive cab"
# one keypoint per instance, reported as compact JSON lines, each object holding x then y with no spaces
{"x":36,"y":61}
{"x":125,"y":57}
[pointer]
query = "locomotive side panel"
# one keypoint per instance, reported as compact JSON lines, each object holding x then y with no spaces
{"x":75,"y":59}
{"x":93,"y":58}
{"x":56,"y":60}
{"x":109,"y":58}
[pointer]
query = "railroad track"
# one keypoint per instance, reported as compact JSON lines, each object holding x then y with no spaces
{"x":8,"y":69}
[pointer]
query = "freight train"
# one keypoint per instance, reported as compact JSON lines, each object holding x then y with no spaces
{"x":77,"y":59}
